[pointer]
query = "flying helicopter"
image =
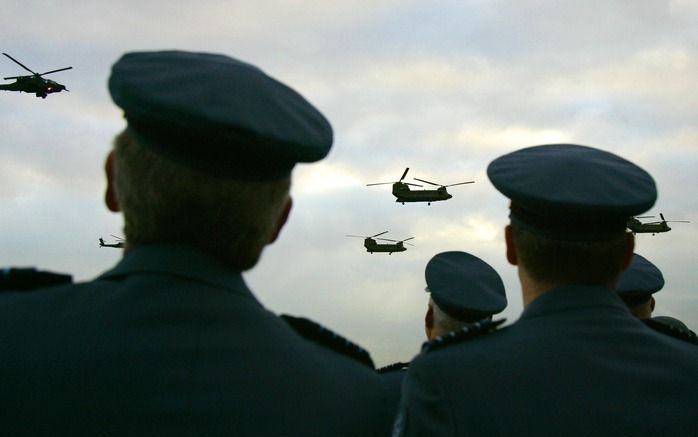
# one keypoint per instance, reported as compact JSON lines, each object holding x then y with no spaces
{"x":637,"y":227}
{"x":403,"y":193}
{"x":33,"y":83}
{"x":372,"y":245}
{"x":120,"y":243}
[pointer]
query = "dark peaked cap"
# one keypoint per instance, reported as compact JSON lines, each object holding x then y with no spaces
{"x":217,"y":114}
{"x":572,"y":192}
{"x":464,"y":286}
{"x":641,"y":278}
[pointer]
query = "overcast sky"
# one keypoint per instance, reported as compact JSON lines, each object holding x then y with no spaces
{"x":441,"y":87}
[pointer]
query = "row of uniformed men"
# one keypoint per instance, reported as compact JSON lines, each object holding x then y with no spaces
{"x":171,"y":341}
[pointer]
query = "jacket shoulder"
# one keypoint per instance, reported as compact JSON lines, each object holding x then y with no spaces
{"x":468,"y":332}
{"x":676,"y":330}
{"x":318,"y":334}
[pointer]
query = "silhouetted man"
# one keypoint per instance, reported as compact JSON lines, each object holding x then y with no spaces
{"x":576,"y":363}
{"x":171,"y":341}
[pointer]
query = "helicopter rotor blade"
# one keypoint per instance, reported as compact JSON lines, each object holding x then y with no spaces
{"x":427,"y":182}
{"x":380,"y":183}
{"x":380,"y":233}
{"x":55,"y":71}
{"x":662,"y":216}
{"x":386,"y":239}
{"x":460,"y":183}
{"x":19,"y":63}
{"x":412,"y":185}
{"x":678,"y":221}
{"x":406,"y":239}
{"x":643,"y":216}
{"x":404,"y":174}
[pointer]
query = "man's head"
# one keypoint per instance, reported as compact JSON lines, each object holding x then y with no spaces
{"x":637,"y":284}
{"x":207,"y":154}
{"x":569,"y":210}
{"x":464,"y":289}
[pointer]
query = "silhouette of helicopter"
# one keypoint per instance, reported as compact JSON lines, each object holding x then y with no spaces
{"x":372,"y":245}
{"x":402,"y":192}
{"x":120,"y":243}
{"x":637,"y":227}
{"x":34,"y":83}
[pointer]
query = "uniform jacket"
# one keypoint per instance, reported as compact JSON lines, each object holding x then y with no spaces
{"x":171,"y":342}
{"x":576,"y":363}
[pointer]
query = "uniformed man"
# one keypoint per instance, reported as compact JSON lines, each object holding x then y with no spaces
{"x":636,"y":287}
{"x":576,"y":363}
{"x":171,"y":341}
{"x":463,"y":290}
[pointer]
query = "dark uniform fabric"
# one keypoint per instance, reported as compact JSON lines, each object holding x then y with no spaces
{"x":171,"y":342}
{"x":576,"y":363}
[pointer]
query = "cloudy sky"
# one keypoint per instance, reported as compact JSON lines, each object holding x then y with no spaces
{"x":442,"y":87}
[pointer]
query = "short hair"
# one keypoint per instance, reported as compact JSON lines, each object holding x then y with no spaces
{"x":447,"y":323}
{"x":570,"y":262}
{"x":163,"y":201}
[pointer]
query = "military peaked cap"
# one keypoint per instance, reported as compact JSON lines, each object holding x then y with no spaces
{"x":464,"y":286}
{"x":217,"y":114}
{"x":572,"y":192}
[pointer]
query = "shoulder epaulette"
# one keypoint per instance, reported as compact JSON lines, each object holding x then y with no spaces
{"x":467,"y":332}
{"x":394,"y":367}
{"x":679,"y":332}
{"x":317,"y":333}
{"x":29,"y":278}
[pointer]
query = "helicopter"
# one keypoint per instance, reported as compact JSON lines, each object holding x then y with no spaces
{"x":372,"y":245}
{"x":637,"y":227}
{"x":402,"y":192}
{"x":33,"y":83}
{"x":120,"y":243}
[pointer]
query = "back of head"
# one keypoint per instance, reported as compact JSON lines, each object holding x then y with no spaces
{"x":464,"y":289}
{"x":208,"y":151}
{"x":569,"y":210}
{"x":164,"y":201}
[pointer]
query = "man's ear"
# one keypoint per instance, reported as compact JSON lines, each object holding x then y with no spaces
{"x":110,"y":194}
{"x":283,"y":218}
{"x":429,"y":321}
{"x":511,"y":248}
{"x":629,"y":249}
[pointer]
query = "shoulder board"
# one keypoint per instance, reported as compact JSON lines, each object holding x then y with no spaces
{"x":29,"y":278}
{"x":394,"y":367}
{"x":469,"y":331}
{"x":317,"y":333}
{"x":679,"y":332}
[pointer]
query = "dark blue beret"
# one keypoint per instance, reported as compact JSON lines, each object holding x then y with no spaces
{"x":464,"y":286}
{"x":217,"y":114}
{"x":568,"y":191}
{"x":641,"y":278}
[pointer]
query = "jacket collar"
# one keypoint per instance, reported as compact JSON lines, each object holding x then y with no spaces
{"x":186,"y":262}
{"x":573,"y":297}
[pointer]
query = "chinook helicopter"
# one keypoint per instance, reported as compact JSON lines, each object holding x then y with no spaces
{"x":402,"y":192}
{"x":33,"y":83}
{"x":372,"y":245}
{"x":637,"y":227}
{"x":120,"y":243}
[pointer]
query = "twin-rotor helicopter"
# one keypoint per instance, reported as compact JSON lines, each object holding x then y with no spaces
{"x":403,"y":193}
{"x":34,"y":83}
{"x":637,"y":227}
{"x":372,"y":245}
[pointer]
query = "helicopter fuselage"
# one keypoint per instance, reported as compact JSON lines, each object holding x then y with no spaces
{"x":637,"y":227}
{"x":31,"y":84}
{"x":372,"y":245}
{"x":403,"y":193}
